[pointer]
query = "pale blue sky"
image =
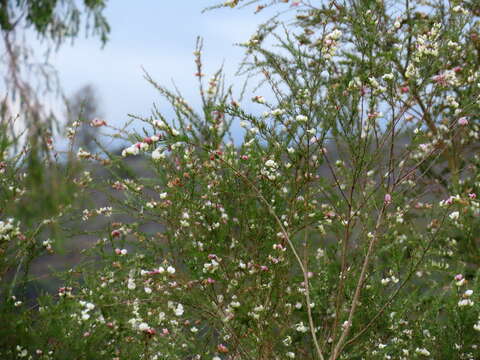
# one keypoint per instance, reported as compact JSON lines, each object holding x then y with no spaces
{"x":160,"y":37}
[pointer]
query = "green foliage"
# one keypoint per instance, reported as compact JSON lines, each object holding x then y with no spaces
{"x":57,"y":20}
{"x":342,"y":226}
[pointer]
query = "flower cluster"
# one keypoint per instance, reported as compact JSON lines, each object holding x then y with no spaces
{"x":9,"y":229}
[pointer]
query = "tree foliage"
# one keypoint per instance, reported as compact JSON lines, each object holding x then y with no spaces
{"x":56,"y":20}
{"x":343,"y":225}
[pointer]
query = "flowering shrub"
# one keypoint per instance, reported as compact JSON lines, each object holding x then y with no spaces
{"x":343,"y":226}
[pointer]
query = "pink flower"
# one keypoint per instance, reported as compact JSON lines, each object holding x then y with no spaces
{"x":449,"y":201}
{"x":440,"y":79}
{"x":472,"y":196}
{"x":222,"y":348}
{"x":148,"y":140}
{"x":274,"y":260}
{"x":150,"y":331}
{"x":463,"y":121}
{"x":388,"y":199}
{"x":97,"y":122}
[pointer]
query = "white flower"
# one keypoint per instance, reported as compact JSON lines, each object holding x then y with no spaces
{"x":287,"y":341}
{"x":106,"y":211}
{"x":385,"y":281}
{"x":163,"y":195}
{"x":388,"y":76}
{"x":334,"y":35}
{"x":278,"y":112}
{"x":468,"y":293}
{"x":22,"y":352}
{"x":270,"y":163}
{"x":465,"y":302}
{"x":8,"y":230}
{"x":82,"y":154}
{"x":422,"y":351}
{"x":157,"y":154}
{"x":131,"y":150}
{"x":300,"y":327}
{"x":143,"y":326}
{"x":301,"y":118}
{"x":454,"y":215}
{"x":411,"y":72}
{"x":147,"y":290}
{"x":477,"y":326}
{"x":373,"y":82}
{"x":171,"y":270}
{"x":131,"y":284}
{"x":460,"y":10}
{"x":179,"y":310}
{"x":161,"y":316}
{"x":290,"y":355}
{"x":160,"y":124}
{"x":258,"y":308}
{"x":211,"y":267}
{"x":259,"y":99}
